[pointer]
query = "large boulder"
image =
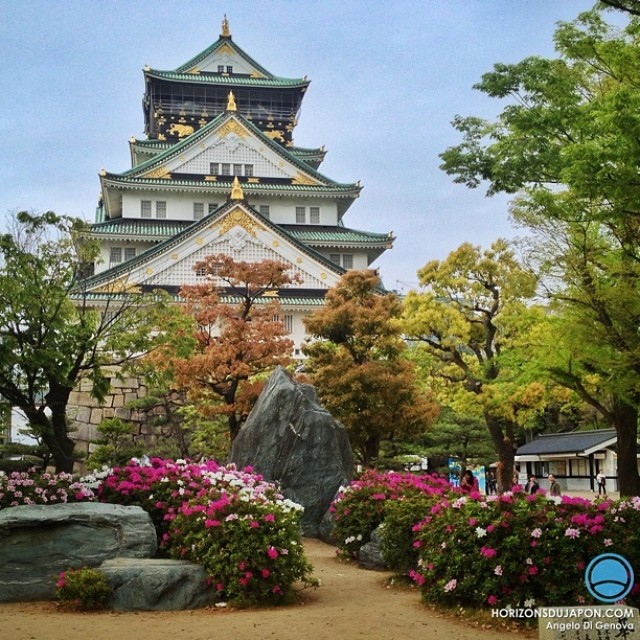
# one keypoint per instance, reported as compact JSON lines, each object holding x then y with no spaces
{"x":37,"y":542}
{"x":157,"y":584}
{"x":291,"y":439}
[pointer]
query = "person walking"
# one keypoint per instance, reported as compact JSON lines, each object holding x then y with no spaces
{"x":532,"y":486}
{"x":601,"y":481}
{"x":554,"y":486}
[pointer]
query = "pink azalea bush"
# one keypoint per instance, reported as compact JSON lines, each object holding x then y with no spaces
{"x":363,"y":505}
{"x":83,"y":589}
{"x":32,"y":487}
{"x":519,"y":550}
{"x":236,"y":525}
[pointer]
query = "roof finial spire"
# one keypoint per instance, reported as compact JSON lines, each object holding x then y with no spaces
{"x":226,"y":33}
{"x":236,"y":190}
{"x":231,"y":102}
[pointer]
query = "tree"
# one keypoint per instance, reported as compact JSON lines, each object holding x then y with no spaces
{"x":468,"y":315}
{"x":356,"y":362}
{"x":50,"y":335}
{"x":239,"y":337}
{"x":568,"y":145}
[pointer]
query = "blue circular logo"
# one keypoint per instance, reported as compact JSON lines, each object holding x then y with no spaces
{"x":609,"y":577}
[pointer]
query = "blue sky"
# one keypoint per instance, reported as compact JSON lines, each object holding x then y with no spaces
{"x":387,"y":78}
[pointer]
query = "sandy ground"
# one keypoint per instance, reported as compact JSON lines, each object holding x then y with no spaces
{"x":351,"y":603}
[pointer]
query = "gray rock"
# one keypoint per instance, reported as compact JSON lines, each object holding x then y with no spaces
{"x":157,"y":584}
{"x":37,"y":542}
{"x":370,"y":554}
{"x":290,"y":439}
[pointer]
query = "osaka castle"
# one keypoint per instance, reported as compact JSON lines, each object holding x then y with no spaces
{"x":219,"y":172}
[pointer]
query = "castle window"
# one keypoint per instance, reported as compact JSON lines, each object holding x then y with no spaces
{"x":225,"y":169}
{"x":345,"y":259}
{"x":248,"y":170}
{"x":145,"y":208}
{"x":237,"y":169}
{"x":213,"y":168}
{"x":314,"y":215}
{"x":212,"y":206}
{"x":161,"y":209}
{"x":115,"y":255}
{"x":198,"y":210}
{"x":129,"y":253}
{"x":301,"y":215}
{"x":229,"y":69}
{"x":287,"y":321}
{"x":264,"y":210}
{"x":220,"y":68}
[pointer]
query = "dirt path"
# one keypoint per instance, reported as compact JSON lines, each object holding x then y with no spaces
{"x":351,"y":604}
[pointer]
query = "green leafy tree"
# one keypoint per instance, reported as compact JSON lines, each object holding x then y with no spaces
{"x":50,"y":334}
{"x":467,"y":318}
{"x":567,"y":144}
{"x":356,"y":360}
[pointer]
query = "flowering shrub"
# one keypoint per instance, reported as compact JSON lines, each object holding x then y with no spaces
{"x":362,"y":506}
{"x":157,"y":485}
{"x":519,"y":550}
{"x":33,"y":487}
{"x":83,"y":589}
{"x":240,"y":528}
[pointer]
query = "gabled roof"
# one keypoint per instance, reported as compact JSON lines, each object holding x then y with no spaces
{"x":202,"y":68}
{"x":154,"y":172}
{"x":145,"y":169}
{"x":576,"y":443}
{"x":210,"y":221}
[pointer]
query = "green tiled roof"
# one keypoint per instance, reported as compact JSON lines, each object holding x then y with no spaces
{"x":336,"y":189}
{"x":140,"y":228}
{"x":331,"y":235}
{"x":290,"y":300}
{"x":231,"y":80}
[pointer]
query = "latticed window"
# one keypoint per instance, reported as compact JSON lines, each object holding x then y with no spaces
{"x":225,"y":169}
{"x":145,"y":208}
{"x":220,"y":68}
{"x":287,"y":321}
{"x":213,"y":168}
{"x":347,"y":261}
{"x":314,"y":215}
{"x":161,"y":209}
{"x":212,"y":207}
{"x":301,"y":215}
{"x":237,"y":169}
{"x":129,"y":253}
{"x":198,"y":210}
{"x":115,"y":255}
{"x":264,"y":210}
{"x":248,"y":170}
{"x":334,"y":257}
{"x":229,"y":69}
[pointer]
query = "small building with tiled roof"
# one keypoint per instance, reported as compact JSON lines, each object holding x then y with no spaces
{"x":574,"y":458}
{"x":219,"y":120}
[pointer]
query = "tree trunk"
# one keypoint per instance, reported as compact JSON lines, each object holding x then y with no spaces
{"x":53,"y":432}
{"x":371,"y":450}
{"x":625,"y":418}
{"x":503,"y":441}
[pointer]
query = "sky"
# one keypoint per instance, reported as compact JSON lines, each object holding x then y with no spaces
{"x":387,"y":78}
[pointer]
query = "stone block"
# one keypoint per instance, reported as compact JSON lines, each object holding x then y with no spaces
{"x":37,"y":542}
{"x":157,"y":584}
{"x":96,"y":416}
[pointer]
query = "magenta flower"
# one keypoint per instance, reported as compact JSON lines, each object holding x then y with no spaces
{"x":272,"y":552}
{"x":488,"y":552}
{"x":492,"y":600}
